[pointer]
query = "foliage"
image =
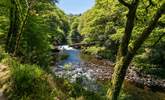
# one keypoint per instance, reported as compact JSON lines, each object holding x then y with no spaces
{"x":104,"y":24}
{"x":151,"y":61}
{"x":37,"y":25}
{"x":30,"y":82}
{"x":32,"y":27}
{"x":75,"y":91}
{"x":46,"y":25}
{"x":101,"y":24}
{"x":94,"y":50}
{"x":74,"y":35}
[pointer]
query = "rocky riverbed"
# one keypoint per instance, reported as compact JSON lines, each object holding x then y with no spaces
{"x":104,"y":72}
{"x":92,"y":69}
{"x":145,"y":80}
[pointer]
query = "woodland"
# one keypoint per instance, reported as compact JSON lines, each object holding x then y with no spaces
{"x":128,"y":33}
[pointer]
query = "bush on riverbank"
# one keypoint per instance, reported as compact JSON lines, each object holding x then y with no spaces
{"x":75,"y":91}
{"x":100,"y":52}
{"x":27,"y":82}
{"x":151,"y":61}
{"x":30,"y":82}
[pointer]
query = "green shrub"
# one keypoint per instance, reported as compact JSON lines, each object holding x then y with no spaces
{"x":94,"y":50}
{"x":29,"y":82}
{"x":5,"y":58}
{"x":107,"y":54}
{"x":68,"y":66}
{"x":1,"y":56}
{"x":75,"y":91}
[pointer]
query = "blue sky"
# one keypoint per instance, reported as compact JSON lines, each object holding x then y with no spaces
{"x":75,"y":6}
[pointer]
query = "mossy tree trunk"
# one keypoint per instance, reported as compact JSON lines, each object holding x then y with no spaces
{"x":125,"y":53}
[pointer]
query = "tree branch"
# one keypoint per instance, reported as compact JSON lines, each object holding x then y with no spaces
{"x":150,"y":4}
{"x":161,"y":36}
{"x":147,"y":31}
{"x":123,"y":49}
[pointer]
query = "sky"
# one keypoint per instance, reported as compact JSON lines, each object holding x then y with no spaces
{"x":75,"y":6}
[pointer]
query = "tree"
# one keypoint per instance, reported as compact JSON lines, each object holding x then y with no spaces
{"x":46,"y":24}
{"x":126,"y":53}
{"x":33,"y":28}
{"x":74,"y":35}
{"x":18,"y":16}
{"x":19,"y":12}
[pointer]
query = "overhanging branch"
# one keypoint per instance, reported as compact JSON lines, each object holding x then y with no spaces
{"x":147,"y":31}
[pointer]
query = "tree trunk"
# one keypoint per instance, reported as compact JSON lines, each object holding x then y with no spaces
{"x":12,"y":21}
{"x":118,"y":76}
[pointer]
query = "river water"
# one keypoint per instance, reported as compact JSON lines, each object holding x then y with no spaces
{"x":94,"y":75}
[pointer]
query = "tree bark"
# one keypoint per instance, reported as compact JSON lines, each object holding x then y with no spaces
{"x":123,"y":48}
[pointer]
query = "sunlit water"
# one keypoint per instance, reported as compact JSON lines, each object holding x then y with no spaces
{"x":74,"y":68}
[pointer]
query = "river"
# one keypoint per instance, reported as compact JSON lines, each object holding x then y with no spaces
{"x":96,"y":73}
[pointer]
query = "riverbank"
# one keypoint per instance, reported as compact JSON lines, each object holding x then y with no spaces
{"x":134,"y":76}
{"x":145,"y":80}
{"x":102,"y":70}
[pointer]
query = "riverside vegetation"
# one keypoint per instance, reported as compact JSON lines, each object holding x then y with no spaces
{"x":129,"y":35}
